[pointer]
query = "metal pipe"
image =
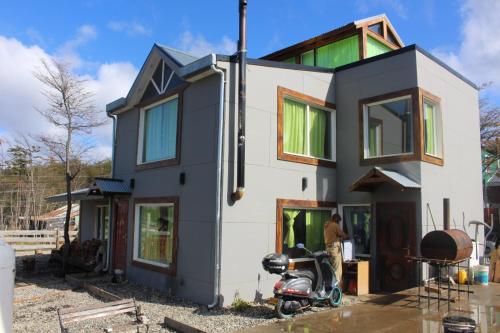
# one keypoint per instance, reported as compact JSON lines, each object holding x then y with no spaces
{"x":242,"y":67}
{"x":446,"y":214}
{"x":110,"y":201}
{"x":218,"y":194}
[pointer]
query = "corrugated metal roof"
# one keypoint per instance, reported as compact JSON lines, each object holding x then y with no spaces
{"x":76,"y":195}
{"x":108,"y":185}
{"x":180,"y":57}
{"x":378,"y":176}
{"x":400,"y":178}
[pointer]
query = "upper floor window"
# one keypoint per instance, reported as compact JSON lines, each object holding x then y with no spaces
{"x":338,"y":53}
{"x":306,"y":129}
{"x":388,"y":127}
{"x":432,"y":128}
{"x":158,"y":132}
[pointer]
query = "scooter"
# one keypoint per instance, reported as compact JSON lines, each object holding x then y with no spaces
{"x":300,"y":289}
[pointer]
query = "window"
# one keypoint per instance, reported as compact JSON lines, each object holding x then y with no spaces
{"x":290,"y":60}
{"x":388,"y":127}
{"x":155,"y":233}
{"x":432,"y":128}
{"x":338,"y":53}
{"x":357,"y":220}
{"x":376,"y":28}
{"x":102,"y":231}
{"x":158,"y":134}
{"x":301,"y":221}
{"x":374,"y":47}
{"x":306,"y":131}
{"x":307,"y":58}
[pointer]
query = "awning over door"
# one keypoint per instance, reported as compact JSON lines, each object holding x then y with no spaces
{"x":378,"y":176}
{"x":100,"y":188}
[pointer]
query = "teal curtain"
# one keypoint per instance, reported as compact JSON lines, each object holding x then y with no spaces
{"x":315,"y":220}
{"x":160,"y":132}
{"x":290,"y":215}
{"x":429,"y":117}
{"x":308,"y":58}
{"x":294,"y":127}
{"x":374,"y":47}
{"x":338,"y":53}
{"x":317,"y":132}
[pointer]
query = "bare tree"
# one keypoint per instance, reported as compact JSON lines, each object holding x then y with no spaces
{"x":490,"y":128}
{"x":70,"y":108}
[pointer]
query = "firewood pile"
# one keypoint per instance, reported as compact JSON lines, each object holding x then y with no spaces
{"x":86,"y":251}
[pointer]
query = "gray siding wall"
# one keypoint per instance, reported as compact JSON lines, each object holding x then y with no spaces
{"x":88,"y":220}
{"x":249,"y":225}
{"x":460,"y":177}
{"x":196,"y":198}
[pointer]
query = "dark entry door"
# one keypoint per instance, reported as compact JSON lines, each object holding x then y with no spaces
{"x":396,"y":238}
{"x":120,"y":234}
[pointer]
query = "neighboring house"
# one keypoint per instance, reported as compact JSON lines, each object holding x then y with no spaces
{"x":56,"y":218}
{"x":351,"y":121}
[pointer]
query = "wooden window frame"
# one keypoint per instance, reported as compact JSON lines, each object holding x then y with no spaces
{"x":417,"y":98}
{"x":437,"y":160}
{"x":298,"y":204}
{"x":147,"y":105}
{"x":171,"y":269}
{"x":311,"y":101}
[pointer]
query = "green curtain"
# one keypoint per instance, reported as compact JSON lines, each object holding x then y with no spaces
{"x":315,"y":220}
{"x":290,"y":60}
{"x":374,"y":47}
{"x":290,"y":215}
{"x":430,"y":147}
{"x":372,"y":140}
{"x":338,"y":53}
{"x":308,"y":58}
{"x":317,"y":132}
{"x":294,"y":139}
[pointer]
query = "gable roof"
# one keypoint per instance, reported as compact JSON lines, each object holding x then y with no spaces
{"x":180,"y":57}
{"x":378,"y":176}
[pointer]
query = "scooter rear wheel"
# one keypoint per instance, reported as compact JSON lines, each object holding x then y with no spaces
{"x":280,"y":310}
{"x":335,"y":297}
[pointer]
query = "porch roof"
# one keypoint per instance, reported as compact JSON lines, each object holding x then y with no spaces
{"x":100,"y":188}
{"x":378,"y":176}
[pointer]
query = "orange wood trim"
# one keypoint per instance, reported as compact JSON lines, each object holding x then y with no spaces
{"x":178,"y":146}
{"x":282,"y":92}
{"x":384,"y":29}
{"x":362,"y":43}
{"x":172,"y":269}
{"x":292,"y":203}
{"x":425,"y":157}
{"x":381,"y":39}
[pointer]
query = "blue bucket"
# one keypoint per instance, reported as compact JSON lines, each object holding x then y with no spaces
{"x":481,"y":275}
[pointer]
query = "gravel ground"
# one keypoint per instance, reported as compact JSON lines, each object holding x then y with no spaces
{"x":36,"y":304}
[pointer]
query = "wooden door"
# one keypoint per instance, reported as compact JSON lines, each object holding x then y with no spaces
{"x":396,"y":238}
{"x":120,"y":234}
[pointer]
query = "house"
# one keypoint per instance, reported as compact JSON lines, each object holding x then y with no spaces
{"x":351,"y":121}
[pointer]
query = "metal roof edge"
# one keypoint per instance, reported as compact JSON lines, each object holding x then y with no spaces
{"x":277,"y":64}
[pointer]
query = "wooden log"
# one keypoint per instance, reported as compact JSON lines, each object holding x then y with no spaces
{"x":180,"y":327}
{"x":96,"y":291}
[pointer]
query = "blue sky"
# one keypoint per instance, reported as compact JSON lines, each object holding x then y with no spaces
{"x":107,"y":42}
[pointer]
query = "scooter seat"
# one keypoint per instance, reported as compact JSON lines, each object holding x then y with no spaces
{"x":301,"y":274}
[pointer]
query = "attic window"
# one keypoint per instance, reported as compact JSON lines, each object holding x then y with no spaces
{"x":377,"y":28}
{"x":391,"y":38}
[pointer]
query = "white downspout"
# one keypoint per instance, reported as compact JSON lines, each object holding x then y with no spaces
{"x":218,"y":194}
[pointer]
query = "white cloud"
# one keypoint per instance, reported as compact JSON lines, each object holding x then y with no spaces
{"x":199,"y":46}
{"x":68,"y":52}
{"x":131,"y":28}
{"x":478,"y":57}
{"x":365,"y":6}
{"x":20,"y":92}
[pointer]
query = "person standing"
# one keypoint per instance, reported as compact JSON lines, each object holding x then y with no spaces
{"x":333,"y":236}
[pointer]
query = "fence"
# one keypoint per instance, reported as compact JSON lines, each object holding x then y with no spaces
{"x":35,"y":240}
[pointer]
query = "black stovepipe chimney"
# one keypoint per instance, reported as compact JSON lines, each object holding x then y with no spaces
{"x":242,"y":98}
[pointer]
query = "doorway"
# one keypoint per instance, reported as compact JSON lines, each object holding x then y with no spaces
{"x":396,"y":238}
{"x":120,"y":234}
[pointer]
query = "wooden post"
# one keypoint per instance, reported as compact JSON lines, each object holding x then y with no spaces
{"x":57,"y":239}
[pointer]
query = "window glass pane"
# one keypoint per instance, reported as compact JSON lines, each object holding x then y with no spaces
{"x":308,"y":58}
{"x":156,"y":233}
{"x":432,"y":129}
{"x":376,"y":28}
{"x":294,"y":129}
{"x":319,"y":133}
{"x":160,"y":132}
{"x":391,"y":38}
{"x":290,"y":60}
{"x":357,"y":223}
{"x":303,"y":226}
{"x":390,"y":128}
{"x":374,"y":47}
{"x":338,"y":53}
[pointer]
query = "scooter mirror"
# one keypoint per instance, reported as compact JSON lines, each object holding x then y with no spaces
{"x":300,"y":246}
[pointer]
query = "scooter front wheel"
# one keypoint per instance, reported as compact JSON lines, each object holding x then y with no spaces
{"x":335,"y":297}
{"x":280,"y":310}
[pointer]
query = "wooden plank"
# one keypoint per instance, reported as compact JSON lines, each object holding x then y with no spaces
{"x":68,"y":316}
{"x":29,"y":239}
{"x":97,"y":315}
{"x":31,"y":247}
{"x":180,"y":327}
{"x":96,"y":291}
{"x":28,"y":232}
{"x":84,"y":308}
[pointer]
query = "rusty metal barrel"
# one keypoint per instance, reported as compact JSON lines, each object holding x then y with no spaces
{"x":451,"y":244}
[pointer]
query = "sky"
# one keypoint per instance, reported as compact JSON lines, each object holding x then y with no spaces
{"x":107,"y":42}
